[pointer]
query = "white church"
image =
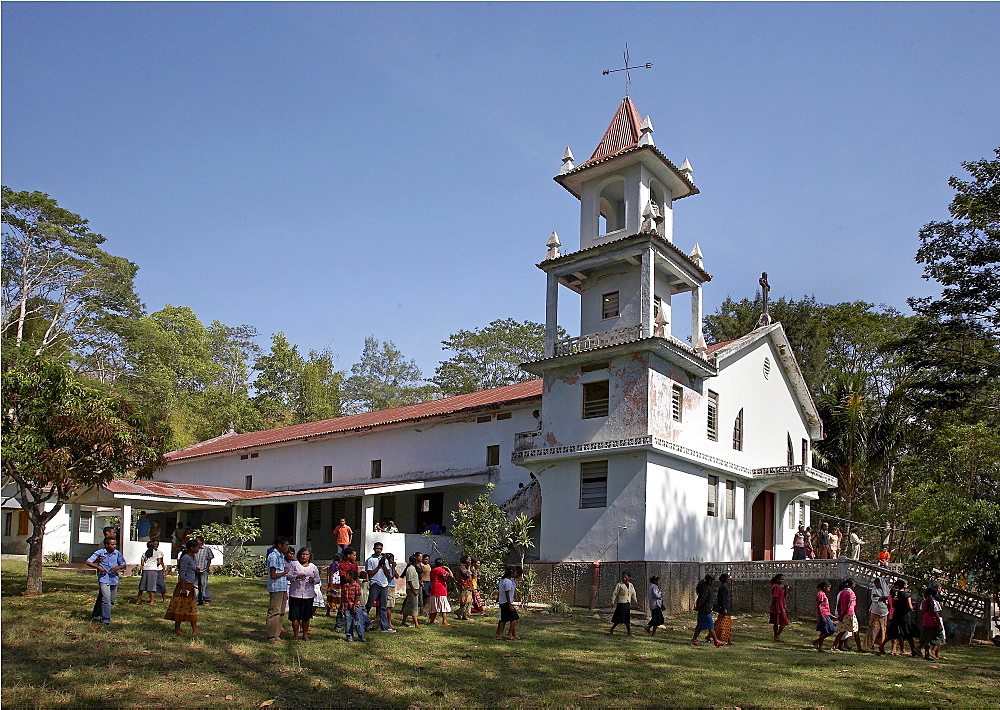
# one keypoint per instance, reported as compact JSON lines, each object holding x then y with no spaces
{"x":637,"y":441}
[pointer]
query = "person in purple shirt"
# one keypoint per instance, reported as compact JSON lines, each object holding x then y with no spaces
{"x":108,"y":562}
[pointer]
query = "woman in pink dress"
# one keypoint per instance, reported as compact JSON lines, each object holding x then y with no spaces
{"x":779,"y":612}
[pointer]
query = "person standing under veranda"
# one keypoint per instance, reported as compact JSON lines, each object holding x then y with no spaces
{"x":277,"y":589}
{"x":203,"y":562}
{"x":343,"y":536}
{"x":825,"y":550}
{"x":108,"y":562}
{"x":799,"y":544}
{"x":142,"y":526}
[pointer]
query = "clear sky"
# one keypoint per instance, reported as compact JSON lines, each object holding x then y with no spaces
{"x":339,"y":170}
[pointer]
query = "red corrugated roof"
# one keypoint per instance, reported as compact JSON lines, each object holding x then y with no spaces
{"x":449,"y":405}
{"x":623,"y":132}
{"x":718,"y":346}
{"x":180,"y":490}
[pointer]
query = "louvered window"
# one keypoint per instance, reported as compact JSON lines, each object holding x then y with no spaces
{"x":731,"y":500}
{"x":315,"y":517}
{"x":713,"y":496}
{"x":328,"y":474}
{"x":738,"y":432}
{"x":493,"y":455}
{"x":594,"y":484}
{"x":377,"y":468}
{"x":609,"y":305}
{"x":713,"y":416}
{"x":676,"y":403}
{"x":86,"y":522}
{"x":595,"y":399}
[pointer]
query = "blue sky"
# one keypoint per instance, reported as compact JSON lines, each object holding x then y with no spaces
{"x":339,"y":170}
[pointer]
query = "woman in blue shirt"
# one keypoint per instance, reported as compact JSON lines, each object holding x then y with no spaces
{"x":183,"y":605}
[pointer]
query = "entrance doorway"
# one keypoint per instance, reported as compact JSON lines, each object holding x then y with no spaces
{"x":762,"y":527}
{"x":284,"y":521}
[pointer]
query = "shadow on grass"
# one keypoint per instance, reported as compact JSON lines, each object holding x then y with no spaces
{"x":52,"y":657}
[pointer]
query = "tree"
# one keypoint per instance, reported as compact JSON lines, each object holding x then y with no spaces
{"x":59,"y":435}
{"x":480,"y":528}
{"x":963,"y":254}
{"x":237,"y":560}
{"x":382,"y":379}
{"x":955,"y":346}
{"x":59,"y":285}
{"x":319,"y":388}
{"x":490,"y":357}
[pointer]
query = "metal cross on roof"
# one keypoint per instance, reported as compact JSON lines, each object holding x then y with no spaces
{"x":765,"y":289}
{"x":627,"y":69}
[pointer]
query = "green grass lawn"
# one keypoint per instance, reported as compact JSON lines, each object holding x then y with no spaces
{"x":52,"y":656}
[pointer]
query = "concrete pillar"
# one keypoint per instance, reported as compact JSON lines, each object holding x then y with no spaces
{"x":125,"y":533}
{"x":647,"y":280}
{"x":367,"y":525}
{"x":697,"y":336}
{"x":551,"y":313}
{"x":301,"y":523}
{"x":74,"y":529}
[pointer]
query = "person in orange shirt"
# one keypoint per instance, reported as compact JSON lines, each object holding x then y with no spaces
{"x":883,"y":556}
{"x":343,"y":535}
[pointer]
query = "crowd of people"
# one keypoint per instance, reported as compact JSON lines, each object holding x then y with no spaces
{"x":298,"y":588}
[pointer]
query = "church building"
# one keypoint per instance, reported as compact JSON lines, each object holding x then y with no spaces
{"x":638,"y":441}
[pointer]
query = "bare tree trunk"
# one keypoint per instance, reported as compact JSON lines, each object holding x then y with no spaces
{"x":33,"y":588}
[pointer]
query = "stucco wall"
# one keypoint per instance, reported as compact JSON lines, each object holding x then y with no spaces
{"x":678,"y":526}
{"x":571,"y":533}
{"x":409,"y":452}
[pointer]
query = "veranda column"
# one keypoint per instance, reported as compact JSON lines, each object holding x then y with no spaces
{"x":301,"y":523}
{"x":74,"y":528}
{"x":367,"y":525}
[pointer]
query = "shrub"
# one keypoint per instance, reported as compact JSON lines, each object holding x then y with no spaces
{"x":56,"y":557}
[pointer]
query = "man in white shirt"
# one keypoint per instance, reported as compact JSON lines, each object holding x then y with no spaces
{"x":379,"y":578}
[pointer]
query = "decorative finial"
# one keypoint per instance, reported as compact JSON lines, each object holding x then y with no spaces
{"x":567,"y":160}
{"x":765,"y":289}
{"x":646,"y":129}
{"x":686,"y":169}
{"x":697,"y":257}
{"x":627,"y":69}
{"x":701,"y":346}
{"x":553,"y":244}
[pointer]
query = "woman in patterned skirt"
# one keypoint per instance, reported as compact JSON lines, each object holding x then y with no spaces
{"x":183,"y":604}
{"x":724,"y":612}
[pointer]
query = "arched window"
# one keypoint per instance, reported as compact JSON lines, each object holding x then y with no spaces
{"x":738,"y":432}
{"x":791,"y":452}
{"x":612,"y":206}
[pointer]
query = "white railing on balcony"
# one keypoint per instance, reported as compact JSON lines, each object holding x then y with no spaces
{"x":801,"y":469}
{"x":526,"y":440}
{"x":591,"y":341}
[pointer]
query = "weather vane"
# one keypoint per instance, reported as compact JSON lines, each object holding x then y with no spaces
{"x":627,"y":69}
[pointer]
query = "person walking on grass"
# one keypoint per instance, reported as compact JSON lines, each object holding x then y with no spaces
{"x":108,"y":562}
{"x":779,"y":610}
{"x":622,"y":600}
{"x":878,"y":616}
{"x":847,"y":621}
{"x":824,"y":620}
{"x":901,"y":626}
{"x":333,"y":589}
{"x":355,"y":618}
{"x":931,"y":624}
{"x":439,"y":604}
{"x":183,"y":605}
{"x":303,"y":576}
{"x":465,"y":587}
{"x":277,"y":589}
{"x":152,"y":565}
{"x":203,"y":559}
{"x":477,"y":599}
{"x":655,"y":599}
{"x":411,"y":603}
{"x":425,"y":582}
{"x":505,"y":596}
{"x":703,"y":605}
{"x":724,"y":612}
